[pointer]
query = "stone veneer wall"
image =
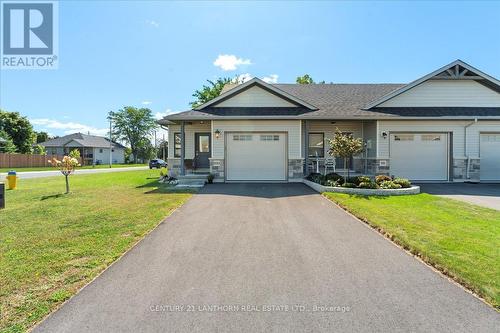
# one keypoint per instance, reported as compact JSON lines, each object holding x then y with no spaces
{"x":174,"y":166}
{"x":217,"y":168}
{"x":375,"y":167}
{"x":295,"y":168}
{"x":460,"y":169}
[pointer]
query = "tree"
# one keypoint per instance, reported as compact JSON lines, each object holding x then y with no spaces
{"x":304,"y":79}
{"x":210,"y":91}
{"x":42,"y":136}
{"x":40,"y":150}
{"x":146,"y":150}
{"x":19,"y":129}
{"x":133,"y":125}
{"x":6,"y":144}
{"x":345,"y":146}
{"x":66,"y":166}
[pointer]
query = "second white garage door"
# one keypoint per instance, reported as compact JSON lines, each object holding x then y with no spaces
{"x":490,"y":156}
{"x":419,"y":156}
{"x":256,"y":156}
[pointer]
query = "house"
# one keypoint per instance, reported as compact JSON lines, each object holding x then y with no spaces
{"x":442,"y":127}
{"x":93,"y":149}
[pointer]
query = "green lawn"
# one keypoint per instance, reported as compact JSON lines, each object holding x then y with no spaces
{"x":52,"y":244}
{"x":459,"y":239}
{"x":102,"y":166}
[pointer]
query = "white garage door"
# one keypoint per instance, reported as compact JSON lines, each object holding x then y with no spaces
{"x":490,"y":156}
{"x":419,"y":156}
{"x":255,"y":156}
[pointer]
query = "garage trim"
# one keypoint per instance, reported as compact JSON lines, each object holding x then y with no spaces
{"x":227,"y":133}
{"x":449,"y":151}
{"x":481,"y":133}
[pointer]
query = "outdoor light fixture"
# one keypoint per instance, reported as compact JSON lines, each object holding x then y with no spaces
{"x":384,"y":134}
{"x":217,"y":133}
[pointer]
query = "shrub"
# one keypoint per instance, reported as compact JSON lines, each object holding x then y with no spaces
{"x":389,"y":184}
{"x":381,"y":178}
{"x":334,"y":183}
{"x":349,"y":185}
{"x":317,"y":178}
{"x":353,"y":180}
{"x":364,"y":179}
{"x":405,"y":183}
{"x":210,"y":178}
{"x":335,"y":177}
{"x":368,"y":184}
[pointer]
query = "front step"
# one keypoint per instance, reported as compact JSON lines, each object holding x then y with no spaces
{"x":192,"y":180}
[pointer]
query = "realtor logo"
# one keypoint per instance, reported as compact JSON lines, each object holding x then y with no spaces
{"x":29,"y":35}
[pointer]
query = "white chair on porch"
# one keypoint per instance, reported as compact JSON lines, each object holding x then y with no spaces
{"x":329,"y":164}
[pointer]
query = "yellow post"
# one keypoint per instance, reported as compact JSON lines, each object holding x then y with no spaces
{"x":12,"y":180}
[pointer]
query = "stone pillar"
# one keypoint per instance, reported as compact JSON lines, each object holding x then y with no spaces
{"x":217,"y":169}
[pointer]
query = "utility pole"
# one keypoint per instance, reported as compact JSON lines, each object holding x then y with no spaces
{"x":156,"y":151}
{"x":110,"y":145}
{"x":163,"y":147}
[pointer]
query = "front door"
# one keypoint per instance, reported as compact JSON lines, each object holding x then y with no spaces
{"x":202,"y":150}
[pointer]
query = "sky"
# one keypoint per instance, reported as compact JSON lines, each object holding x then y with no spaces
{"x":155,"y":54}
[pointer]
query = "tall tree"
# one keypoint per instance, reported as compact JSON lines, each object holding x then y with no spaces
{"x":19,"y":129}
{"x":42,"y":136}
{"x":6,"y":144}
{"x":132,"y":125}
{"x":210,"y":91}
{"x":304,"y":79}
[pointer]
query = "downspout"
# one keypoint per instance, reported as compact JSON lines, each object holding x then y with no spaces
{"x":465,"y":147}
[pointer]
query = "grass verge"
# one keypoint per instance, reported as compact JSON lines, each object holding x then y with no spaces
{"x":52,"y":244}
{"x":459,"y":239}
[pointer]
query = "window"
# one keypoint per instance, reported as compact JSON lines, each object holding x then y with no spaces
{"x":316,"y":145}
{"x":242,"y":137}
{"x":203,"y":143}
{"x":431,"y":137}
{"x":267,"y":137}
{"x":403,"y":137}
{"x":177,"y":144}
{"x":490,"y":137}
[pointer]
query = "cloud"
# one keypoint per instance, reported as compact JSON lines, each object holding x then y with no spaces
{"x":229,"y":62}
{"x":160,"y":115}
{"x":273,"y":78}
{"x":242,"y":78}
{"x":153,"y":23}
{"x":146,"y":102}
{"x":68,"y":127}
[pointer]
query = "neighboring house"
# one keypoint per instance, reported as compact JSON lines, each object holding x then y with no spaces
{"x":442,"y":127}
{"x":93,"y":149}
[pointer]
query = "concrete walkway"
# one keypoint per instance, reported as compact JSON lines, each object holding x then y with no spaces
{"x":269,"y":258}
{"x":50,"y":173}
{"x":486,"y":195}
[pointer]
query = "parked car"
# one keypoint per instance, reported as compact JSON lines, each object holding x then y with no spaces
{"x":157,"y":163}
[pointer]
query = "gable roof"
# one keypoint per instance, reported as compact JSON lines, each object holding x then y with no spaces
{"x":331,"y":101}
{"x":345,"y":101}
{"x":83,"y":139}
{"x":453,"y":70}
{"x":256,"y":82}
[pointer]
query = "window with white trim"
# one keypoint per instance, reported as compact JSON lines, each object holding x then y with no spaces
{"x":242,"y":137}
{"x":269,"y":137}
{"x":404,"y":137}
{"x":431,"y":137}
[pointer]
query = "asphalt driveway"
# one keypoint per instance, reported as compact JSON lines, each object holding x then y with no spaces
{"x":486,"y":195}
{"x":275,"y":257}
